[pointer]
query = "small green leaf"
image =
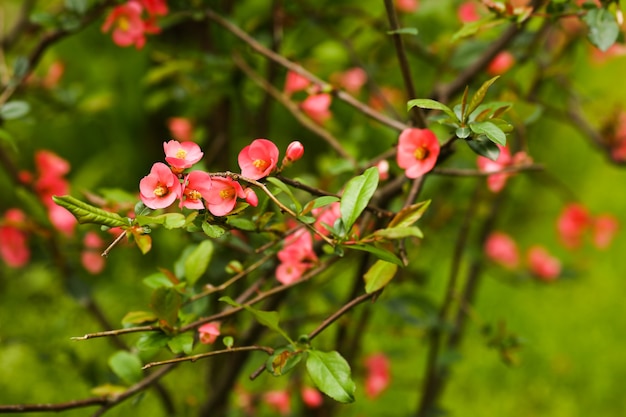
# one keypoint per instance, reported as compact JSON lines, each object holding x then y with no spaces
{"x":169,"y":220}
{"x":331,"y":374}
{"x":490,"y":130}
{"x":14,"y":110}
{"x":403,"y":31}
{"x":126,"y":366}
{"x":152,"y":341}
{"x":383,"y":254}
{"x":503,"y":125}
{"x":479,"y":96}
{"x":266,"y":318}
{"x":603,"y":28}
{"x":319,"y":202}
{"x":357,"y":193}
{"x":426,"y":103}
{"x":181,"y":343}
{"x":409,"y":215}
{"x":241,"y":223}
{"x":379,"y":275}
{"x":138,"y":317}
{"x":283,"y":360}
{"x":165,"y":303}
{"x":158,"y":279}
{"x":463,"y":132}
{"x":484,"y":147}
{"x":464,"y":103}
{"x":284,"y":188}
{"x":228,"y":341}
{"x":86,"y":213}
{"x":471,"y":28}
{"x":497,"y":107}
{"x":198,"y":261}
{"x":143,"y":241}
{"x":399,"y":232}
{"x":211,"y":230}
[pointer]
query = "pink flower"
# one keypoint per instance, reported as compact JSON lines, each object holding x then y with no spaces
{"x":353,"y":79}
{"x":223,"y":195}
{"x":496,"y":182}
{"x":90,"y":257}
{"x":14,"y":249}
{"x":197,"y":185}
{"x":129,"y":28}
{"x":155,"y":7}
{"x":251,"y":197}
{"x":311,"y":397}
{"x":290,"y":272}
{"x":62,"y":219}
{"x":383,"y":169}
{"x":407,"y":6}
{"x":295,"y":150}
{"x":278,"y":400}
{"x":296,"y":257}
{"x":181,"y":128}
{"x":501,"y":249}
{"x":572,"y":224}
{"x":295,"y":82}
{"x":378,"y":375}
{"x":326,"y":217}
{"x":502,"y":62}
{"x":543,"y":265}
{"x":604,"y":228}
{"x":258,"y":159}
{"x":208,"y":332}
{"x":468,"y":12}
{"x":50,"y":164}
{"x":160,"y":188}
{"x":418,"y":150}
{"x":317,"y":106}
{"x":181,"y":155}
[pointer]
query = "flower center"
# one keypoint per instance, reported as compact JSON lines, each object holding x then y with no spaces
{"x":227,"y":194}
{"x":123,"y":24}
{"x":193,"y":194}
{"x":421,"y":153}
{"x":181,"y":154}
{"x":260,"y":164}
{"x":160,"y":190}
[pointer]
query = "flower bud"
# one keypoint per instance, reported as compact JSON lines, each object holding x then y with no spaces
{"x":295,"y":150}
{"x":251,"y":197}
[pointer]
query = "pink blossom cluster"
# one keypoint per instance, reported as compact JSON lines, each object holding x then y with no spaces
{"x":496,"y":182}
{"x":296,"y":256}
{"x":198,"y":189}
{"x":317,"y":104}
{"x":280,"y":400}
{"x":575,"y":222}
{"x":378,"y":374}
{"x":134,"y":19}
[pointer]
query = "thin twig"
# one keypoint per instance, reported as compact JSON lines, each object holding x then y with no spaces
{"x":194,"y":358}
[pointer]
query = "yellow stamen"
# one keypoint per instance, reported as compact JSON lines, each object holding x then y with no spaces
{"x":123,"y":23}
{"x":160,"y":190}
{"x":193,"y":195}
{"x":227,"y":194}
{"x":260,"y":164}
{"x":181,"y":154}
{"x":421,"y":153}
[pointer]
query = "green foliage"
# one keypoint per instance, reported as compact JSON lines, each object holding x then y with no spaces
{"x":86,"y":213}
{"x":603,"y":28}
{"x":357,"y":193}
{"x":331,"y":374}
{"x":126,"y":366}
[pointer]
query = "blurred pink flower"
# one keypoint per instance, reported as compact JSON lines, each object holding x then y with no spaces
{"x":14,"y":249}
{"x":279,"y":400}
{"x":53,"y":75}
{"x":181,"y":128}
{"x":209,"y":332}
{"x":502,"y":249}
{"x":160,"y":188}
{"x":378,"y":374}
{"x":543,"y":265}
{"x":407,"y":6}
{"x":317,"y":106}
{"x":155,"y":7}
{"x":90,"y":257}
{"x":128,"y":27}
{"x":572,"y":223}
{"x":50,"y":164}
{"x":468,"y":12}
{"x":383,"y":169}
{"x":196,"y":186}
{"x":223,"y":195}
{"x":496,"y":182}
{"x":326,"y":216}
{"x":418,"y":150}
{"x":353,"y":79}
{"x":295,"y":257}
{"x":291,"y":271}
{"x":502,"y":62}
{"x":311,"y":397}
{"x":182,"y":155}
{"x":258,"y":159}
{"x":295,"y":82}
{"x":604,"y":228}
{"x":61,"y":219}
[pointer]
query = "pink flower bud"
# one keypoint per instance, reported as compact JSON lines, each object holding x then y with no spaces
{"x":295,"y":150}
{"x":251,"y":197}
{"x":208,"y":332}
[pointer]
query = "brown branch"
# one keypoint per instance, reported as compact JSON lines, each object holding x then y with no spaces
{"x":194,"y":358}
{"x":459,"y":172}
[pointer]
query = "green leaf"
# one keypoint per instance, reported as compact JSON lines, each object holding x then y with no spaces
{"x":331,"y":374}
{"x":198,"y":261}
{"x":490,"y":130}
{"x":426,"y":103}
{"x":319,"y":202}
{"x":14,"y":110}
{"x":138,"y":317}
{"x":78,"y":6}
{"x":211,"y":230}
{"x":464,"y":103}
{"x":379,"y":275}
{"x":126,"y":366}
{"x":266,"y":318}
{"x":603,"y":28}
{"x":357,"y":193}
{"x":181,"y":343}
{"x":463,"y":132}
{"x":241,"y":223}
{"x":86,"y":213}
{"x":158,"y":279}
{"x":409,"y":215}
{"x":403,"y":31}
{"x":228,"y":341}
{"x":165,"y":303}
{"x":503,"y":125}
{"x":471,"y":28}
{"x":383,"y":254}
{"x":152,"y":341}
{"x":497,"y":107}
{"x":284,"y":188}
{"x":169,"y":220}
{"x":479,"y":96}
{"x":484,"y":147}
{"x":399,"y":232}
{"x":144,"y":242}
{"x":283,"y":360}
